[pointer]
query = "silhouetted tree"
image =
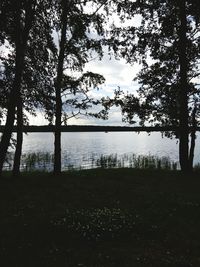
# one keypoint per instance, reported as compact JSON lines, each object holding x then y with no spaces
{"x":18,"y":150}
{"x":30,"y":46}
{"x":17,"y":19}
{"x":167,"y":45}
{"x":74,"y":24}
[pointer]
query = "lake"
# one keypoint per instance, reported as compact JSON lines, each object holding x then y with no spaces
{"x":82,"y":149}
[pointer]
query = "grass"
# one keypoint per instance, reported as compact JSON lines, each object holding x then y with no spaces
{"x":112,"y":217}
{"x":43,"y":161}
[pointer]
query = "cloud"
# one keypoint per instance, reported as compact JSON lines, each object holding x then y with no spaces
{"x":5,"y":49}
{"x":114,"y":119}
{"x":116,"y":72}
{"x":39,"y":119}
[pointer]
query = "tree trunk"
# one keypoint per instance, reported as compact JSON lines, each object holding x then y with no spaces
{"x":19,"y":60}
{"x":58,"y":85}
{"x":183,"y":91}
{"x":193,"y":138}
{"x":18,"y":151}
{"x":21,"y":37}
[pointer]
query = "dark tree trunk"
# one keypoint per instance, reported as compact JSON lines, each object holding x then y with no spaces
{"x":19,"y":60}
{"x":58,"y":85}
{"x":21,"y":37}
{"x":57,"y":141}
{"x":22,"y":30}
{"x":18,"y":151}
{"x":193,"y":138}
{"x":183,"y":91}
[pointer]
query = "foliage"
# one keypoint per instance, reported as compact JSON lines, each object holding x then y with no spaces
{"x":155,"y":44}
{"x":166,"y":43}
{"x":83,"y":41}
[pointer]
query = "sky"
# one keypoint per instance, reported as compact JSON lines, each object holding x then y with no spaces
{"x":117,"y":73}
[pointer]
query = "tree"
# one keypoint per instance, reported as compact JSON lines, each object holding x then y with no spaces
{"x":16,"y":21}
{"x":167,"y":45}
{"x":27,"y":67}
{"x":41,"y":64}
{"x":74,"y":25}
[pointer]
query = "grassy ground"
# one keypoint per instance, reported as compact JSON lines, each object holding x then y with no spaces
{"x":96,"y":218}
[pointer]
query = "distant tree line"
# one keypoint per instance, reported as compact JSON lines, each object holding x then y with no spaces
{"x":45,"y":45}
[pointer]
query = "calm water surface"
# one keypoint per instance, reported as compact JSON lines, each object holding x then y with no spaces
{"x":78,"y":149}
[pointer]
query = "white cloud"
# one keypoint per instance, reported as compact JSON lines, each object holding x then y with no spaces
{"x":116,"y":72}
{"x":39,"y":119}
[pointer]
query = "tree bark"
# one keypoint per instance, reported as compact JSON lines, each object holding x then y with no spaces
{"x":183,"y":91}
{"x":58,"y":86}
{"x":18,"y":150}
{"x":19,"y":60}
{"x":193,"y":138}
{"x":21,"y":38}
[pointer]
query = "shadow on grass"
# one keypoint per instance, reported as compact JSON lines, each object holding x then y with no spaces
{"x":120,"y":217}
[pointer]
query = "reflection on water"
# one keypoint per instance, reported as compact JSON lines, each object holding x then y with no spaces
{"x":81,"y":149}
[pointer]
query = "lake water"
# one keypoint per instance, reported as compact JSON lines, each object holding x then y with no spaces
{"x":80,"y":149}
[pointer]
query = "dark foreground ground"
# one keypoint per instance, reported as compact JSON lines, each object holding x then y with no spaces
{"x":96,"y":218}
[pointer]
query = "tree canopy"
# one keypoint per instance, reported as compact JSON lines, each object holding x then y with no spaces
{"x":50,"y":42}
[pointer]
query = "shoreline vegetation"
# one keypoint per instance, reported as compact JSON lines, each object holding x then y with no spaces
{"x":100,"y":217}
{"x":43,"y":161}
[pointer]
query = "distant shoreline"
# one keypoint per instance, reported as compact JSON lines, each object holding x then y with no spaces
{"x":94,"y":128}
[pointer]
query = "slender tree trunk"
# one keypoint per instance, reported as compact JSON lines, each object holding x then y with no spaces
{"x":21,"y":37}
{"x":18,"y":151}
{"x":19,"y":60}
{"x":193,"y":138}
{"x":58,"y":85}
{"x":183,"y":91}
